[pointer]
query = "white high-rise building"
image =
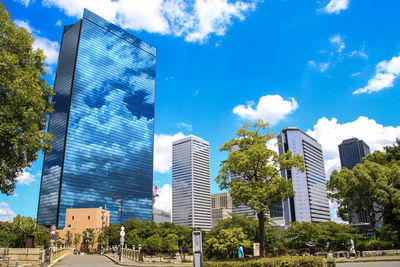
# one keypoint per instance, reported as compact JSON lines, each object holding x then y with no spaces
{"x":310,"y":203}
{"x":191,"y":199}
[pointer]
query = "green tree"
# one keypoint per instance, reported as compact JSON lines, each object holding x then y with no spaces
{"x":88,"y":238}
{"x":13,"y":234}
{"x":170,"y":243}
{"x":298,"y":233}
{"x":77,"y":239}
{"x":101,"y":239}
{"x":326,"y":235}
{"x":25,"y":102}
{"x":112,"y":233}
{"x":252,"y":172}
{"x":365,"y":188}
{"x":132,"y":238}
{"x":68,"y":238}
{"x":153,"y":243}
{"x":226,"y":243}
{"x":335,"y":236}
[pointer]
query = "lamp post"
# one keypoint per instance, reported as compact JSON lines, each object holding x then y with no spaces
{"x":114,"y":198}
{"x":122,"y":233}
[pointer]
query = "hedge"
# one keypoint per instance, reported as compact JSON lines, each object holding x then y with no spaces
{"x":367,"y":245}
{"x":287,"y":261}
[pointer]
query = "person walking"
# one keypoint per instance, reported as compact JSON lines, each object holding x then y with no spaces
{"x":241,"y":252}
{"x":352,"y":249}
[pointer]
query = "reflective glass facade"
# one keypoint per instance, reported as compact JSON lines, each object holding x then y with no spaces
{"x":351,"y":152}
{"x":103,"y":124}
{"x":310,"y":203}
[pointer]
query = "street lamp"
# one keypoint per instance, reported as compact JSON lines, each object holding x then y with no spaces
{"x":114,"y":198}
{"x":122,"y":233}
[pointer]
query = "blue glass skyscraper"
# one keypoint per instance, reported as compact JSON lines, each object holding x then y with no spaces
{"x":103,"y":124}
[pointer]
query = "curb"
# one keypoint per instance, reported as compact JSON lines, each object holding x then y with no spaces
{"x":368,"y":260}
{"x":144,"y":264}
{"x":57,"y":260}
{"x":117,"y":262}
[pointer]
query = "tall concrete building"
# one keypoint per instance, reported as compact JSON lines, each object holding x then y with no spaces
{"x":102,"y":125}
{"x":221,"y":207}
{"x":191,"y":200}
{"x":351,"y":152}
{"x":310,"y":203}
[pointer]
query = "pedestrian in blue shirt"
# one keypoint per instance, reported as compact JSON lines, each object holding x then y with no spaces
{"x":241,"y":252}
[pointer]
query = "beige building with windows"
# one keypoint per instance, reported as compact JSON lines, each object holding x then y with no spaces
{"x":221,"y":207}
{"x":78,"y":220}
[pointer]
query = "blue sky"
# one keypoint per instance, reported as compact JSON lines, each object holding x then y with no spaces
{"x":329,"y":67}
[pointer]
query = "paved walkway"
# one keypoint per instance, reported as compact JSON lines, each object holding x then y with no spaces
{"x":129,"y":262}
{"x":370,"y":264}
{"x":85,"y":260}
{"x":369,"y":259}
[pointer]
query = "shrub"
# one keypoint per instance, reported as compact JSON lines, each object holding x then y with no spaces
{"x":330,"y":263}
{"x":271,"y":262}
{"x":373,"y":245}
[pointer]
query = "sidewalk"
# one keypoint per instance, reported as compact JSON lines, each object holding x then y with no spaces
{"x":129,"y":262}
{"x":368,"y":259}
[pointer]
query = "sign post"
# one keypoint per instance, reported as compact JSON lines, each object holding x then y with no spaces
{"x":256,"y":249}
{"x":197,"y":249}
{"x":52,"y":238}
{"x":122,"y":240}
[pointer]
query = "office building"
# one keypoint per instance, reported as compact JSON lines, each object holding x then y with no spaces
{"x":351,"y":152}
{"x":310,"y":203}
{"x":191,"y":201}
{"x":221,"y":207}
{"x":102,"y":125}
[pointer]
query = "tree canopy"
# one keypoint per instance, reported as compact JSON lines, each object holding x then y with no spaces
{"x":252,"y":172}
{"x":13,"y":234}
{"x":372,"y":186}
{"x":25,"y":102}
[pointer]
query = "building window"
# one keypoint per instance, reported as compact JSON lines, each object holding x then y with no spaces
{"x":72,"y":217}
{"x":88,"y":217}
{"x":69,"y":225}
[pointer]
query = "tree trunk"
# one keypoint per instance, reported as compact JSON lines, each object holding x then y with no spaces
{"x":261,"y":229}
{"x":373,"y":225}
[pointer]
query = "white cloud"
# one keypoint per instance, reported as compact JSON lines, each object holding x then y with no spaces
{"x":59,"y":23}
{"x":355,"y":74}
{"x":386,"y":73}
{"x":186,"y":126}
{"x":26,"y":178}
{"x":163,"y":151}
{"x":50,"y":48}
{"x":24,"y":2}
{"x":164,"y":200}
{"x":25,"y":24}
{"x":270,"y":108}
{"x":338,"y":42}
{"x":330,"y":133}
{"x":335,"y":6}
{"x":6,"y":214}
{"x":194,"y":20}
{"x":361,"y":54}
{"x":320,"y":66}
